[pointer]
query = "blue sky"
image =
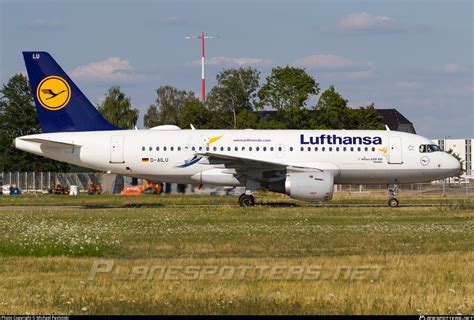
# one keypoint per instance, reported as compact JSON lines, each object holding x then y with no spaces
{"x":416,"y":56}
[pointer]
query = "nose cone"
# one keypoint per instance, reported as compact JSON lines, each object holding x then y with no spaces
{"x":453,"y":166}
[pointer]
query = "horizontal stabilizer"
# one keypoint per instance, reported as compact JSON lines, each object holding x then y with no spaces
{"x":52,"y":143}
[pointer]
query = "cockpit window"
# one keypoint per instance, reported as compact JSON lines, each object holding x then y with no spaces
{"x":424,"y":148}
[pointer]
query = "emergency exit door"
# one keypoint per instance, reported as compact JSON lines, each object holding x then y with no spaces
{"x":116,"y":149}
{"x":395,"y":150}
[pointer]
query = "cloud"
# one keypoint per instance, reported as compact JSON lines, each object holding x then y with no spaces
{"x":350,"y":75}
{"x":170,"y":21}
{"x":454,"y":68}
{"x":45,"y":24}
{"x":332,"y":67}
{"x":363,"y":22}
{"x":228,"y":61}
{"x":112,"y":69}
{"x":173,"y":20}
{"x":325,"y":62}
{"x":408,"y":84}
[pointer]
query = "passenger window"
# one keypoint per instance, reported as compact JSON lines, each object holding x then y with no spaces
{"x":143,"y":148}
{"x":323,"y":149}
{"x":301,"y":149}
{"x":215,"y":149}
{"x":264,"y":148}
{"x":200,"y":148}
{"x":315,"y":148}
{"x":207,"y":148}
{"x":271,"y":149}
{"x":366,"y":149}
{"x":337,"y":149}
{"x":358,"y":149}
{"x":344,"y":149}
{"x":164,"y":148}
{"x":279,"y":148}
{"x":330,"y":148}
{"x":228,"y":148}
{"x":157,"y":148}
{"x":257,"y":149}
{"x":172,"y":148}
{"x":352,"y":149}
{"x":236,"y":148}
{"x":373,"y":148}
{"x":150,"y":148}
{"x":193,"y":148}
{"x":222,"y":148}
{"x":243,"y":148}
{"x":179,"y":148}
{"x":291,"y":148}
{"x":250,"y":148}
{"x":309,"y":148}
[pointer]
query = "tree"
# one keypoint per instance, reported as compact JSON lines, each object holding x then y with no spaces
{"x":152,"y":117}
{"x":117,"y":109}
{"x":332,"y":112}
{"x":18,"y":117}
{"x":287,"y":88}
{"x":167,"y":107}
{"x":235,"y":92}
{"x":367,"y":118}
{"x":194,"y":112}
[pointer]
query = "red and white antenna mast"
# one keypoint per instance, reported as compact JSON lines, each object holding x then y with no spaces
{"x":203,"y":36}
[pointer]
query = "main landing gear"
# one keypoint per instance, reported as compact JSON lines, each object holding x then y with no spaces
{"x":246,"y":200}
{"x":392,"y":191}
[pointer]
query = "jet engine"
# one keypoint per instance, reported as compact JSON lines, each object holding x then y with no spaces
{"x":307,"y":185}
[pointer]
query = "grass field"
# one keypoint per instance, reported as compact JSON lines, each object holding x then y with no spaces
{"x":301,"y":259}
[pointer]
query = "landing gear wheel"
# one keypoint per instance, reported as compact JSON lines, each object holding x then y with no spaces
{"x":393,"y":202}
{"x":246,"y":200}
{"x":253,"y":200}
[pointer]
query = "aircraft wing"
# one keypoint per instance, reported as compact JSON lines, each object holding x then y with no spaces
{"x":244,"y":163}
{"x":52,"y":143}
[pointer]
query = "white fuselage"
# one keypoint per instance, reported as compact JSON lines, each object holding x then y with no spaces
{"x":173,"y":155}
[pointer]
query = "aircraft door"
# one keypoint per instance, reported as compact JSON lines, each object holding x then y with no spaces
{"x":279,"y":150}
{"x":116,"y":149}
{"x":395,"y":150}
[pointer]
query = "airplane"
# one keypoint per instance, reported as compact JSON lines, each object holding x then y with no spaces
{"x":304,"y":164}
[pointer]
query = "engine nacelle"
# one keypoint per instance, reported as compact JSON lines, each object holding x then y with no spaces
{"x":310,"y":186}
{"x":221,"y":177}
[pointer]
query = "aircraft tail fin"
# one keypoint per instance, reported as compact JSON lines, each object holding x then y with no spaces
{"x":61,"y":106}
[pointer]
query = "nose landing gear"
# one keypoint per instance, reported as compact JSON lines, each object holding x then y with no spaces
{"x":392,"y":191}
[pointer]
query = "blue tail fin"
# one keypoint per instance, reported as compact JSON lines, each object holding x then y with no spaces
{"x":60,"y":104}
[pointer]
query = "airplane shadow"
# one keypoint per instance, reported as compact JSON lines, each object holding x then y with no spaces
{"x":279,"y":204}
{"x":126,"y":206}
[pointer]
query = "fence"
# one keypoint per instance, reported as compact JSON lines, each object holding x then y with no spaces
{"x":436,"y":187}
{"x":41,"y":181}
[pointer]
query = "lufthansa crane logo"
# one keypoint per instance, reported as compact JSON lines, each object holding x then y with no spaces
{"x":53,"y":93}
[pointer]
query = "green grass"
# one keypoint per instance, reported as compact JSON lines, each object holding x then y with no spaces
{"x":46,"y":254}
{"x":233,"y":231}
{"x":265,"y":198}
